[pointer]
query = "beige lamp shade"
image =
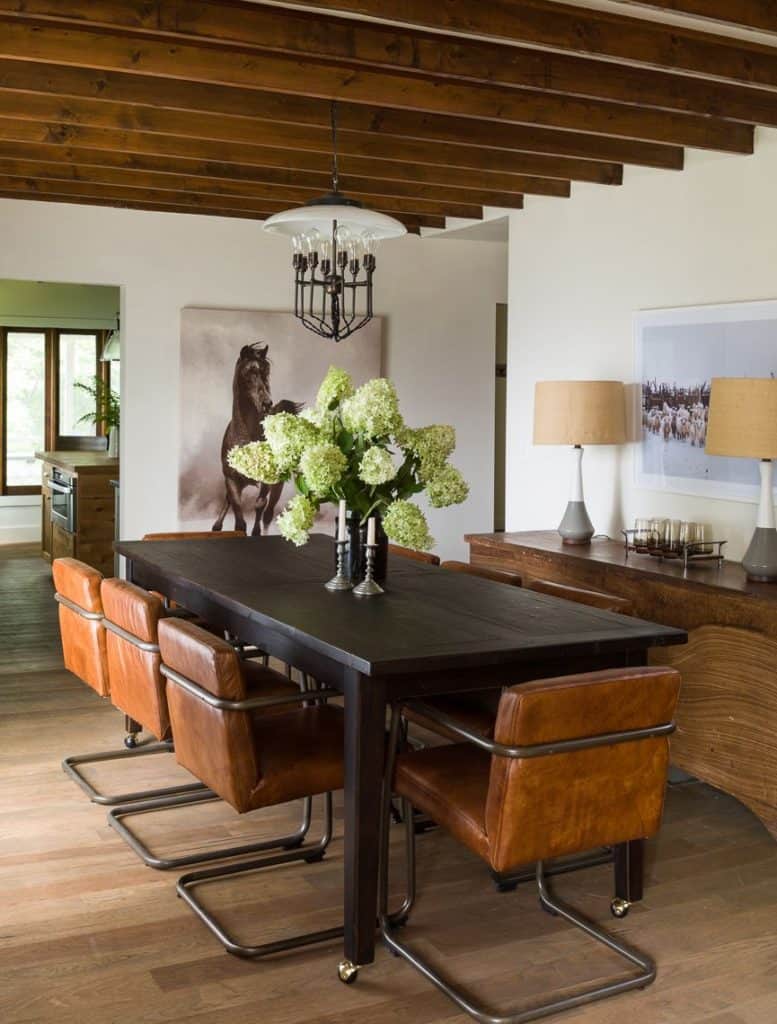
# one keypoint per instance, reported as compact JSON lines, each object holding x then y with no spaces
{"x":743,"y":417}
{"x":579,"y":412}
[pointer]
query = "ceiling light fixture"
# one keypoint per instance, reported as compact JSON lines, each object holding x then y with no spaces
{"x":334,"y":240}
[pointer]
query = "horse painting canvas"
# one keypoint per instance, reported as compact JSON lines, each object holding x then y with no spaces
{"x":237,"y":367}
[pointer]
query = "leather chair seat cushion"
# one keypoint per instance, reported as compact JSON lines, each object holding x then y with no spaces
{"x":298,"y":753}
{"x":78,"y":582}
{"x":474,"y":711}
{"x":450,"y":784}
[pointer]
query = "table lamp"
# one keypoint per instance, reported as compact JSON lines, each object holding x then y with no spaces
{"x":743,"y":423}
{"x":579,"y":412}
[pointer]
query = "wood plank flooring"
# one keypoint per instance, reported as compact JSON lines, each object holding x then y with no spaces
{"x":88,"y":935}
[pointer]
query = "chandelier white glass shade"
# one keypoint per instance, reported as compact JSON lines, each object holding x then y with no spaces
{"x":334,"y":242}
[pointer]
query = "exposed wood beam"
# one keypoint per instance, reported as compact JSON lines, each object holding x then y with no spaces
{"x":412,"y":228}
{"x":47,"y":42}
{"x":755,"y":14}
{"x":387,"y":46}
{"x":580,"y":30}
{"x":287,"y":187}
{"x":316,"y":182}
{"x":216,"y":159}
{"x":78,"y":191}
{"x":230,"y":193}
{"x":187,"y":108}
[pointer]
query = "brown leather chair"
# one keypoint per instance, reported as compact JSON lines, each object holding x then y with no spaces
{"x":82,"y":629}
{"x":132,"y":620}
{"x":416,"y":556}
{"x":253,"y":751}
{"x":193,"y":535}
{"x":484,"y":572}
{"x":592,"y":598}
{"x":576,"y":762}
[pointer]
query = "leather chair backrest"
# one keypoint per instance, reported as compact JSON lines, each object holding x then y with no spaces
{"x":512,"y":579}
{"x":593,"y":598}
{"x":214,"y":745}
{"x":194,"y":535}
{"x":83,"y":639}
{"x":416,"y":556}
{"x":138,"y":686}
{"x":555,"y":804}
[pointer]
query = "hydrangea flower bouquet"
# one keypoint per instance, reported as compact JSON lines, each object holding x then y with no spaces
{"x":353,"y":445}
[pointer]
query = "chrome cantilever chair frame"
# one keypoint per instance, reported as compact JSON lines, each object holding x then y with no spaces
{"x":71,"y":764}
{"x":311,"y":853}
{"x":646,"y":966}
{"x":197,"y":793}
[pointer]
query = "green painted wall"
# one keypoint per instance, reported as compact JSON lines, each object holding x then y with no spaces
{"x":40,"y":304}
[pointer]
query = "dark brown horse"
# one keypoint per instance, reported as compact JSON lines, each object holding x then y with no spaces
{"x":251,"y":402}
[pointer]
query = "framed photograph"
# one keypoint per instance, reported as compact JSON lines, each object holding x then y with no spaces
{"x":238,"y":366}
{"x":678,"y":352}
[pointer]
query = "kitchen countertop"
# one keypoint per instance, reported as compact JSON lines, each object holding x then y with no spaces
{"x":79,"y":463}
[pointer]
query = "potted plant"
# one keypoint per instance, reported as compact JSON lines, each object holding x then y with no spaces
{"x":353,"y":445}
{"x":106,"y":410}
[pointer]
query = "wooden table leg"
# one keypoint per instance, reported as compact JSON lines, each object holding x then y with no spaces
{"x":365,"y":727}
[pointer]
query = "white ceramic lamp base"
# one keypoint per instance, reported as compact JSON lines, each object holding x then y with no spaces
{"x":576,"y":526}
{"x":760,"y":561}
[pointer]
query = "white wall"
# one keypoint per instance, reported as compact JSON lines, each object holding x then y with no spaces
{"x":438,"y":298}
{"x":580,"y":268}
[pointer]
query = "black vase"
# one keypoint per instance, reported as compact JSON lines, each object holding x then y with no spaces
{"x":354,"y":562}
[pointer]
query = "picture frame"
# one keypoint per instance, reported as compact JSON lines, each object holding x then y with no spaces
{"x":678,"y":351}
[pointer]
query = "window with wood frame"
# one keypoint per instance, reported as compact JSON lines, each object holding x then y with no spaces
{"x":40,"y":407}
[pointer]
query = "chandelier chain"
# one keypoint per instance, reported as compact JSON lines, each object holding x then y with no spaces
{"x":333,"y":119}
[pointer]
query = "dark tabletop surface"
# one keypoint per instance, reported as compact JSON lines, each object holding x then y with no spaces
{"x":428,"y":619}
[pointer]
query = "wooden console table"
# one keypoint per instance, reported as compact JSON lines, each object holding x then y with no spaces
{"x":727,"y":718}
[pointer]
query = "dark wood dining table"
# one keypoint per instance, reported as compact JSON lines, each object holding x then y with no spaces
{"x":431,"y":632}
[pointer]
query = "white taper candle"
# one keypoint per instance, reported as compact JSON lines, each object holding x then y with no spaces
{"x":341,"y":520}
{"x":371,"y":530}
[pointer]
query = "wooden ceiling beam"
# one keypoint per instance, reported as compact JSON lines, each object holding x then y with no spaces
{"x":760,"y":15}
{"x":216,"y":159}
{"x":46,"y":42}
{"x":316,"y":182}
{"x":232,"y":193}
{"x":81,"y":191}
{"x":135,"y":102}
{"x":566,"y":28}
{"x":413,"y":228}
{"x":289,"y":187}
{"x":403,"y":49}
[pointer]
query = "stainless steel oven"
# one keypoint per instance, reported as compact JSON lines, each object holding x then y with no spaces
{"x":63,"y":499}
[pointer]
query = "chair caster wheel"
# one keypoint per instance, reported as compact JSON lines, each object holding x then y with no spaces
{"x":505,"y":886}
{"x":130,"y":741}
{"x":347,"y":972}
{"x":619,"y":908}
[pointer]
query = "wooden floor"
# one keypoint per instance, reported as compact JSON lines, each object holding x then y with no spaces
{"x":89,"y":935}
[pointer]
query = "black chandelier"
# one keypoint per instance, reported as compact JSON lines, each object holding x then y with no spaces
{"x":334,"y":240}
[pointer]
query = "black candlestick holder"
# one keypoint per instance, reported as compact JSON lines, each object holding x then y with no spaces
{"x":340,"y":581}
{"x":368,"y":587}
